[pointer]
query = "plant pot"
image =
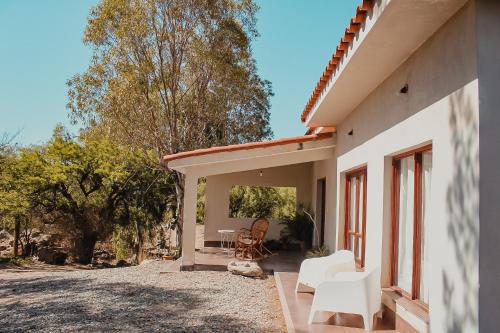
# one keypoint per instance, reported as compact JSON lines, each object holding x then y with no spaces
{"x":168,"y":257}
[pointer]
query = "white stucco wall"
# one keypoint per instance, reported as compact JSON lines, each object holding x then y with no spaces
{"x":217,"y":195}
{"x":326,"y":169}
{"x":441,"y":108}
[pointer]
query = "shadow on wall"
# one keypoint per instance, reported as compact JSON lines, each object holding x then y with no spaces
{"x":460,"y":295}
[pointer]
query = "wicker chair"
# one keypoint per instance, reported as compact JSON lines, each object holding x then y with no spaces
{"x":249,"y":243}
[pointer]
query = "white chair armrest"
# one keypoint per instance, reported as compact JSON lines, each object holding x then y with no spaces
{"x":332,"y":286}
{"x":315,"y":270}
{"x":349,"y":276}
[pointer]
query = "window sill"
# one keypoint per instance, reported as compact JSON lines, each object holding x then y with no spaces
{"x":409,"y":305}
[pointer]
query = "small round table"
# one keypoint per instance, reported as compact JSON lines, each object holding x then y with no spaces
{"x":226,"y":239}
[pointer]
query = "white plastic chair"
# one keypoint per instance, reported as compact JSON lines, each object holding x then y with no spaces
{"x":316,"y":270}
{"x":354,"y":292}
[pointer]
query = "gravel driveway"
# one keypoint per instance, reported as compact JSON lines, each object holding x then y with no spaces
{"x":137,"y":299}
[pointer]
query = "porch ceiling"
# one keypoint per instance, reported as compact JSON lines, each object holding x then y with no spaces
{"x":259,"y":156}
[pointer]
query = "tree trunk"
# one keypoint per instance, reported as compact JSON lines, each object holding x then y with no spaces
{"x":28,"y":248}
{"x":139,"y":240}
{"x":84,"y":247}
{"x":17,"y":232}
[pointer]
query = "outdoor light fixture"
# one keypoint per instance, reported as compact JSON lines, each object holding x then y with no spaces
{"x":260,"y":173}
{"x":351,"y":132}
{"x":404,"y":90}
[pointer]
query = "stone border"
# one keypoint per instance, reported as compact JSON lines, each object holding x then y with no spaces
{"x":284,"y":305}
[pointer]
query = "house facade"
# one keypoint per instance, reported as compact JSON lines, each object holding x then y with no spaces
{"x":400,"y":127}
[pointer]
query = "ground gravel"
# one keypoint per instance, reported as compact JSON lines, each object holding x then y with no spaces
{"x":137,"y":299}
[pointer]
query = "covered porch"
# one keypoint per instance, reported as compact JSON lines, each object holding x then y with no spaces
{"x":277,"y":163}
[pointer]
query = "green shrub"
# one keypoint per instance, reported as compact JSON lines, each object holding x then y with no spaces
{"x":321,"y":251}
{"x":200,"y":202}
{"x":299,"y":227}
{"x":122,"y":240}
{"x":17,"y":261}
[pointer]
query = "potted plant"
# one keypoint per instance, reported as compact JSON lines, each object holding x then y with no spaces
{"x":298,"y":229}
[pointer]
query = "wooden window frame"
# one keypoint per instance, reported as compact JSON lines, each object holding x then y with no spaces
{"x":357,"y":233}
{"x":414,"y":293}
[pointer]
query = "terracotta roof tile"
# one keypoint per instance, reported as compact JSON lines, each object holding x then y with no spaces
{"x":350,"y":31}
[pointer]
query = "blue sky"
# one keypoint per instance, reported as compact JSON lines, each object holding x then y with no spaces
{"x":41,"y":49}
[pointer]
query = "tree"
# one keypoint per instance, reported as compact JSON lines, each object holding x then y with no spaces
{"x":74,"y":186}
{"x":15,"y":202}
{"x":169,"y":76}
{"x":88,"y":187}
{"x":260,"y":201}
{"x":149,"y":195}
{"x":6,"y":144}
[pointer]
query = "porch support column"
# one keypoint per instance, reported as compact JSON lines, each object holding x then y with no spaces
{"x":189,"y":222}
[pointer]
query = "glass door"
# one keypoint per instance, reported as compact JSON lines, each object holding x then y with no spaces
{"x":355,"y":214}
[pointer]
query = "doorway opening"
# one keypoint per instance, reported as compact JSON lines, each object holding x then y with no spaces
{"x":320,"y":208}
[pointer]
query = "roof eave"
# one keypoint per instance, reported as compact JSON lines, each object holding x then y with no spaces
{"x":263,"y":154}
{"x":382,"y":43}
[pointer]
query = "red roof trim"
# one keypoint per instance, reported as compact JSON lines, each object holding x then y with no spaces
{"x":310,"y":130}
{"x":352,"y":28}
{"x":321,"y":130}
{"x":246,"y":146}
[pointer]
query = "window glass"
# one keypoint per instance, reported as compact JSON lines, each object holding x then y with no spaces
{"x":354,"y":214}
{"x":360,"y":202}
{"x":352,"y":222}
{"x":360,"y":243}
{"x":426,"y":206}
{"x":405,"y":228}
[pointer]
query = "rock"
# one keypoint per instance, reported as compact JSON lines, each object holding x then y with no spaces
{"x":6,"y":242}
{"x":5,"y":236}
{"x":103,"y":255}
{"x":35,"y":232}
{"x":52,"y":255}
{"x":70,"y":260}
{"x":104,"y":265}
{"x":122,"y":263}
{"x":43,"y":240}
{"x":245,"y":268}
